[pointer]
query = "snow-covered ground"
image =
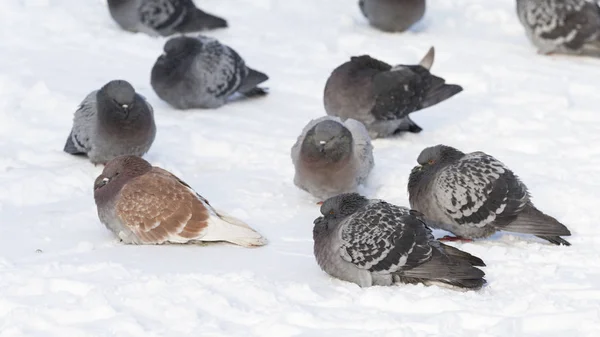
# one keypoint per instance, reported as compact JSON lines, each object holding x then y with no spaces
{"x":63,"y":274}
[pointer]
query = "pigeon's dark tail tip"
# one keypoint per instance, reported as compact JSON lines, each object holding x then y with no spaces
{"x":557,"y":240}
{"x":201,"y":21}
{"x":256,"y":92}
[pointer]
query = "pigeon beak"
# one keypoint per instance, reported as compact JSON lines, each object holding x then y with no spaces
{"x":125,"y":106}
{"x":320,"y":203}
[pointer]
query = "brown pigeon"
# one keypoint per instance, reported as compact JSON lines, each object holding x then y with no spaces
{"x":143,"y":204}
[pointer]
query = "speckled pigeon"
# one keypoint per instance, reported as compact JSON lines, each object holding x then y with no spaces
{"x":474,"y":195}
{"x":162,"y":17}
{"x":332,"y":157}
{"x":392,"y":15}
{"x":143,"y":204}
{"x":372,"y":242}
{"x":111,"y":122}
{"x":381,"y":96}
{"x":200,"y":72}
{"x":562,"y":26}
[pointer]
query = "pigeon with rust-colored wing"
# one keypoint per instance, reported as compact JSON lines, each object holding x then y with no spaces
{"x":372,"y":242}
{"x":143,"y":204}
{"x":474,"y":195}
{"x":112,"y":122}
{"x":562,"y":26}
{"x":332,"y":157}
{"x":382,"y":96}
{"x":162,"y":17}
{"x":200,"y":72}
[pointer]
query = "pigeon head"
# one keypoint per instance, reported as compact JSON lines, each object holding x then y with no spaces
{"x":182,"y":46}
{"x":118,"y":96}
{"x":328,"y":141}
{"x":116,"y":174}
{"x":430,"y":161}
{"x":343,"y":205}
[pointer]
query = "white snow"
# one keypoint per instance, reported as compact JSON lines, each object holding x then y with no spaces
{"x":63,"y":274}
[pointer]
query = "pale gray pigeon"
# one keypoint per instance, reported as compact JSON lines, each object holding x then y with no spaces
{"x":381,"y":96}
{"x":111,"y":122}
{"x":392,"y":15}
{"x":200,"y":72}
{"x":332,"y":157}
{"x":562,"y":26}
{"x":474,"y":195}
{"x":372,"y":242}
{"x":162,"y":17}
{"x":142,"y":204}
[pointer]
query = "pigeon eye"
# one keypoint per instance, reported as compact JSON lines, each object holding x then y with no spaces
{"x":431,"y":161}
{"x":331,"y":212}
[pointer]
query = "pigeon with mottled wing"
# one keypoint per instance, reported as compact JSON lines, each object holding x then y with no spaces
{"x":372,"y":242}
{"x":392,"y":15}
{"x":332,"y":157}
{"x":562,"y":26}
{"x":474,"y":195}
{"x":381,"y":96}
{"x":200,"y":72}
{"x":111,"y":122}
{"x":162,"y":17}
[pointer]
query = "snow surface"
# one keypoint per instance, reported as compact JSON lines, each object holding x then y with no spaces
{"x":63,"y":274}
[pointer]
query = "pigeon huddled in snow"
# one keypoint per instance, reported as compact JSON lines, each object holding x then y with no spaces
{"x":143,"y":204}
{"x":200,"y":72}
{"x":564,"y":27}
{"x":162,"y":17}
{"x":332,"y":157}
{"x":372,"y":242}
{"x":392,"y":15}
{"x":474,"y":195}
{"x":111,"y":122}
{"x":381,"y":96}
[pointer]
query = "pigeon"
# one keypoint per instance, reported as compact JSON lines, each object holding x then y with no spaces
{"x":372,"y":242}
{"x":381,"y":96}
{"x":162,"y":17}
{"x":111,"y":122}
{"x":392,"y":15}
{"x":562,"y":26}
{"x":200,"y":72}
{"x":147,"y":205}
{"x":475,"y":195}
{"x":332,"y":157}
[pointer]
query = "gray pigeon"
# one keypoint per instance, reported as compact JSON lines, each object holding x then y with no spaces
{"x":200,"y":72}
{"x":110,"y":122}
{"x":142,"y":204}
{"x":372,"y":242}
{"x":392,"y":15}
{"x":381,"y":96}
{"x":474,"y":195}
{"x":332,"y":157}
{"x":562,"y":26}
{"x":162,"y":17}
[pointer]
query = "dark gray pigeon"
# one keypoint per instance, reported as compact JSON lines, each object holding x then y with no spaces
{"x":372,"y":242}
{"x":381,"y":96}
{"x":332,"y":157}
{"x":162,"y":17}
{"x":392,"y":15}
{"x":111,"y":122}
{"x":200,"y":72}
{"x":474,"y":195}
{"x":562,"y":27}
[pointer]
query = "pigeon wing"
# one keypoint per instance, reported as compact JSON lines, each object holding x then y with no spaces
{"x":400,"y":91}
{"x":158,"y":208}
{"x":223,"y":68}
{"x":162,"y":15}
{"x":479,"y":190}
{"x":385,"y":238}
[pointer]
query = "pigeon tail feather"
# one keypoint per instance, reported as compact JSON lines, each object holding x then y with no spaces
{"x":533,"y":221}
{"x":439,"y":92}
{"x":198,"y":20}
{"x":250,"y":82}
{"x":224,"y":227}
